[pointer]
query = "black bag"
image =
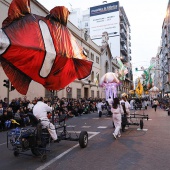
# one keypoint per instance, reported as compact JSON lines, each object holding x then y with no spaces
{"x":169,"y":112}
{"x":124,"y":108}
{"x":124,"y":122}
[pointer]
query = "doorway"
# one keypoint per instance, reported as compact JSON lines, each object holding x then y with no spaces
{"x":86,"y":92}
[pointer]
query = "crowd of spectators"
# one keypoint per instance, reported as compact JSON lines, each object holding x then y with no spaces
{"x":19,"y":108}
{"x":164,"y":103}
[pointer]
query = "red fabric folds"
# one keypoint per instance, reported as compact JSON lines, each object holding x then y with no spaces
{"x":42,"y":49}
{"x":17,"y":9}
{"x":61,"y":13}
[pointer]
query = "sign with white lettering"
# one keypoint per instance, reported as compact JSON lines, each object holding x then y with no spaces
{"x":105,"y":26}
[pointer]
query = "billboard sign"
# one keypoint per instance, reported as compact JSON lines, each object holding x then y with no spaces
{"x":105,"y":26}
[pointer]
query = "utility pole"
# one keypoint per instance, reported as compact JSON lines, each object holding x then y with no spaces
{"x":7,"y":85}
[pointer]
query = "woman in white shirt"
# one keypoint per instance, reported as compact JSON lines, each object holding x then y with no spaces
{"x":117,"y":111}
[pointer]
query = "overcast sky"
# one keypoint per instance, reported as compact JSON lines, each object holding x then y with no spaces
{"x":145,"y":17}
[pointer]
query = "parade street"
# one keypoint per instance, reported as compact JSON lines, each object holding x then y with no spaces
{"x":145,"y":149}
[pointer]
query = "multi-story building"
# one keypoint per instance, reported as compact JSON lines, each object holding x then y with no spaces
{"x":153,"y":62}
{"x":125,"y":41}
{"x":107,"y":24}
{"x":77,"y":89}
{"x":165,"y":54}
{"x":157,"y":70}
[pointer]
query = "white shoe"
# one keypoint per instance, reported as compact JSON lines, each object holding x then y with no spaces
{"x":114,"y":136}
{"x":119,"y":135}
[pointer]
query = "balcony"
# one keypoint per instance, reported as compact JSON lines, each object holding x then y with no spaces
{"x":166,"y":51}
{"x":165,"y":34}
{"x":122,"y":18}
{"x":165,"y":25}
{"x":168,"y":57}
{"x":165,"y":43}
{"x":122,"y":41}
{"x":130,"y":51}
{"x":129,"y":44}
{"x":122,"y":25}
{"x":123,"y":50}
{"x":130,"y":58}
{"x":123,"y":33}
{"x":124,"y":59}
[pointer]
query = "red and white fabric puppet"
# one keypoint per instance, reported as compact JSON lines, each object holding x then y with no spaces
{"x":40,"y":48}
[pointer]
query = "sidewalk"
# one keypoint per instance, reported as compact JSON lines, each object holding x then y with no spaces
{"x":151,"y":150}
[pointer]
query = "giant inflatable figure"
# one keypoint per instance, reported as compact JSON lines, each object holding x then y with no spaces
{"x":148,"y":82}
{"x":139,"y":88}
{"x":40,"y":48}
{"x":110,"y":81}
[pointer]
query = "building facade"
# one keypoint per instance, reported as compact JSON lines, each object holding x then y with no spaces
{"x":165,"y":54}
{"x":157,"y":70}
{"x":118,"y":37}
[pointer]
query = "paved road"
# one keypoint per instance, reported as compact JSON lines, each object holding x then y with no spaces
{"x":145,"y":149}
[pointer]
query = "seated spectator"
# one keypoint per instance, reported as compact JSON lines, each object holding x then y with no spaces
{"x":24,"y":117}
{"x":17,"y":117}
{"x":14,"y":105}
{"x":30,"y":106}
{"x":79,"y":108}
{"x":74,"y":110}
{"x":69,"y":109}
{"x":5,"y":103}
{"x":1,"y":117}
{"x":91,"y":105}
{"x":7,"y":116}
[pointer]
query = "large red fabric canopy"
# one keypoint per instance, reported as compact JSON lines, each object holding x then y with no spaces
{"x":40,"y":49}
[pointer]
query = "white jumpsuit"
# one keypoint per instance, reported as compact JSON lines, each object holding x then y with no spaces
{"x":99,"y":106}
{"x":40,"y":112}
{"x":117,"y":119}
{"x":132,"y":104}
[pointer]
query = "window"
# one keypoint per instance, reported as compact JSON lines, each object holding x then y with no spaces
{"x":92,"y":93}
{"x":86,"y":24}
{"x":113,"y":69}
{"x":106,"y":67}
{"x":92,"y":76}
{"x":78,"y":93}
{"x":98,"y":78}
{"x":69,"y":94}
{"x":97,"y":94}
{"x":97,"y":59}
{"x":92,"y":56}
{"x":47,"y":93}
